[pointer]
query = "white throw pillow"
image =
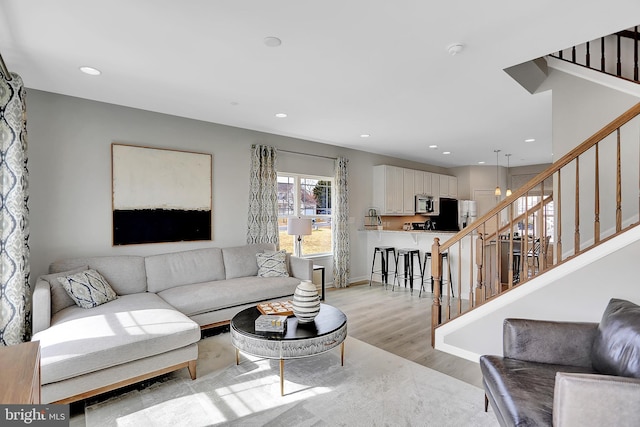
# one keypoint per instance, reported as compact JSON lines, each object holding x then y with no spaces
{"x":88,"y":288}
{"x":272,"y":264}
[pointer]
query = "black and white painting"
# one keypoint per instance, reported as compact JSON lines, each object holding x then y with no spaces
{"x":160,"y":195}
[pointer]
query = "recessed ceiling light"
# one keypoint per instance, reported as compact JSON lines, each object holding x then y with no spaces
{"x":90,"y":70}
{"x":481,"y":163}
{"x":433,"y":146}
{"x":446,"y":152}
{"x":272,"y":41}
{"x":365,"y":135}
{"x":281,"y":115}
{"x":530,"y":140}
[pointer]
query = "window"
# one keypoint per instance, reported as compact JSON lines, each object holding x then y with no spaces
{"x":306,"y":197}
{"x":536,"y":226}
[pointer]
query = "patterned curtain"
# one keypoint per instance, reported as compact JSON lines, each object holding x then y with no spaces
{"x":262,"y":224}
{"x":341,"y":227}
{"x":15,"y":291}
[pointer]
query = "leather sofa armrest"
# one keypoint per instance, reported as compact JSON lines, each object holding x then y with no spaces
{"x":595,"y":400}
{"x":301,"y":268}
{"x":41,"y":311}
{"x":562,"y":343}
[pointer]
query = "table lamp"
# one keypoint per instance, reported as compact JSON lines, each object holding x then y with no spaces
{"x":299,"y":227}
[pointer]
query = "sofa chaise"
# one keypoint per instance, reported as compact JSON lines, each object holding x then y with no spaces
{"x":567,"y":373}
{"x":152,"y":323}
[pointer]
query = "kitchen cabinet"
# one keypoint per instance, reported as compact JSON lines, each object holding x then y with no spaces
{"x":435,"y":185}
{"x":444,"y":186}
{"x":428,"y":186}
{"x":395,"y":188}
{"x":408,"y":193}
{"x":388,"y":189}
{"x":418,"y":182}
{"x":453,"y":187}
{"x":448,"y":186}
{"x":422,"y":183}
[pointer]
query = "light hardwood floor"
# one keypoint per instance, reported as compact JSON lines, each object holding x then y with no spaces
{"x":399,"y":323}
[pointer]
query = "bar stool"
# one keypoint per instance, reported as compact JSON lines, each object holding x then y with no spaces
{"x":408,"y":273}
{"x":384,"y":252}
{"x":427,"y":257}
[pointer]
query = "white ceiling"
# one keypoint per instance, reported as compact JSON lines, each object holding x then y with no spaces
{"x":345,"y":67}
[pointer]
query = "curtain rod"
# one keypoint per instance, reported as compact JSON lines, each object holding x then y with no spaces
{"x":307,"y":154}
{"x":3,"y":68}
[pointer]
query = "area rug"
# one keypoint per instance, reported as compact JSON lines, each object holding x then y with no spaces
{"x":373,"y":388}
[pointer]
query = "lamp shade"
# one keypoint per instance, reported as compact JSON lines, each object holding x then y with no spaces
{"x":299,"y":226}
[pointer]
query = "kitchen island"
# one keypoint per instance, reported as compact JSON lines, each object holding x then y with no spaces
{"x":423,"y":241}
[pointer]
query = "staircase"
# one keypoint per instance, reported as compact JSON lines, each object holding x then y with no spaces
{"x":573,"y":211}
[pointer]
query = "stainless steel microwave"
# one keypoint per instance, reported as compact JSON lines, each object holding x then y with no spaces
{"x":426,"y":205}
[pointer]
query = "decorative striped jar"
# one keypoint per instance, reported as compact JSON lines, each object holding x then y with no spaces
{"x":306,"y":302}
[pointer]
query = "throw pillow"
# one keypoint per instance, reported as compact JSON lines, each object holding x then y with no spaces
{"x":616,"y":348}
{"x":272,"y":264}
{"x":88,"y":288}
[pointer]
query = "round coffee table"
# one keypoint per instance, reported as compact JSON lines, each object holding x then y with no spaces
{"x":328,"y":330}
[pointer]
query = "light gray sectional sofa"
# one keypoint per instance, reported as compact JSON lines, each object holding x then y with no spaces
{"x":154,"y":325}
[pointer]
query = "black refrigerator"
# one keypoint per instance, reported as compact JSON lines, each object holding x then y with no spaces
{"x":448,"y":218}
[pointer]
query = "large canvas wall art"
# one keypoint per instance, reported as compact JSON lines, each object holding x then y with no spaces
{"x":160,"y":195}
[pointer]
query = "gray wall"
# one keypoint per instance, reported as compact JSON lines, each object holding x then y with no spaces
{"x":70,"y":175}
{"x":580,"y":109}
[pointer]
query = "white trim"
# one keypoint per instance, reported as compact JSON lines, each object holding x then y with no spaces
{"x":594,"y":76}
{"x":527,"y":288}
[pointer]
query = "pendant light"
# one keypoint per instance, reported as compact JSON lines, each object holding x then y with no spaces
{"x":508,"y":192}
{"x":497,"y":192}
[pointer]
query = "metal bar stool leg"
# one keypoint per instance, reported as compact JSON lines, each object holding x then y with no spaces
{"x":395,"y":275}
{"x":395,"y":263}
{"x":423,"y":267}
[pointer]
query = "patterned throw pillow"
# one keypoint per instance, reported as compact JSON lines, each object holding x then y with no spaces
{"x":88,"y":288}
{"x":272,"y":264}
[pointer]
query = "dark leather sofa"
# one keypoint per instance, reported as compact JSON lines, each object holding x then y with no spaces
{"x":567,"y":373}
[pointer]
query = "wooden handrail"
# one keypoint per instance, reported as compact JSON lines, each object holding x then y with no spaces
{"x":547,"y":173}
{"x":495,"y":263}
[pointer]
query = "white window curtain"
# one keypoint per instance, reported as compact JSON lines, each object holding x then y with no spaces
{"x":341,"y":226}
{"x":262,"y":222}
{"x":15,"y":290}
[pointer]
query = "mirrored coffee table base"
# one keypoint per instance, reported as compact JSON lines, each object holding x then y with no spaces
{"x":327,"y":331}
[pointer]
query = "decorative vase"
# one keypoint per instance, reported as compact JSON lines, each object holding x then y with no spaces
{"x":306,"y":302}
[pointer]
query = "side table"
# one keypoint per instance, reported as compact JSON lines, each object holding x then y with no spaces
{"x":321,"y":269}
{"x":20,"y":379}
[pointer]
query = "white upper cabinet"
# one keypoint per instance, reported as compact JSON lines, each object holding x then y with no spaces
{"x":418,"y":182}
{"x":453,"y":187}
{"x":388,"y":188}
{"x":435,"y":185}
{"x":444,"y":186}
{"x":428,"y":184}
{"x":408,"y":193}
{"x":448,"y":186}
{"x":395,"y":188}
